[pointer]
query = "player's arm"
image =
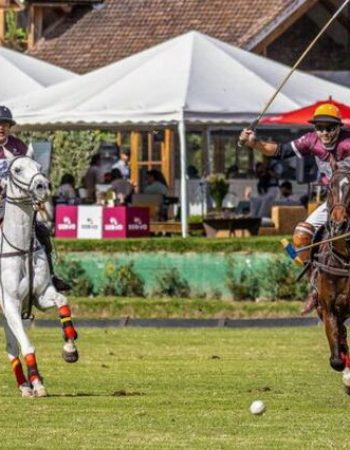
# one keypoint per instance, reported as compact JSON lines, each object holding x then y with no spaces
{"x":247,"y":137}
{"x":268,"y":148}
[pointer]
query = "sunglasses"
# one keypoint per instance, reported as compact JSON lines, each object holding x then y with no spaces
{"x":327,"y":128}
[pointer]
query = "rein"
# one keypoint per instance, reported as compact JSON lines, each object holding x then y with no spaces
{"x":17,"y":181}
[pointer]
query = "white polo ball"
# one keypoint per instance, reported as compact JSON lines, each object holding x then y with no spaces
{"x":257,"y":407}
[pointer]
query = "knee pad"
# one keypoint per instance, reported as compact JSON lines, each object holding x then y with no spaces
{"x":303,"y":235}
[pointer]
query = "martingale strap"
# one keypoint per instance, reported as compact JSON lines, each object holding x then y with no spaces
{"x":20,"y":252}
{"x":332,"y":270}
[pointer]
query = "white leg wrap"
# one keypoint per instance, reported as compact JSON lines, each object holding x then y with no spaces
{"x":346,"y":377}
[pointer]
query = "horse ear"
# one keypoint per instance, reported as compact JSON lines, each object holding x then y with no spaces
{"x":8,"y":154}
{"x":30,"y":151}
{"x":333,"y":163}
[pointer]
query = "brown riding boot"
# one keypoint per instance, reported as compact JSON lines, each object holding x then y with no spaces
{"x":303,"y":236}
{"x":44,"y":237}
{"x":310,"y":302}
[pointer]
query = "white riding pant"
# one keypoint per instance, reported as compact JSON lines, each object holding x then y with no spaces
{"x":318,"y":217}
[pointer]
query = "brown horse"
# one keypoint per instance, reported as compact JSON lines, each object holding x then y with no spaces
{"x":331,"y":275}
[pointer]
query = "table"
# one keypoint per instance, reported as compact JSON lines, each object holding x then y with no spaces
{"x":170,"y":228}
{"x":228,"y":227}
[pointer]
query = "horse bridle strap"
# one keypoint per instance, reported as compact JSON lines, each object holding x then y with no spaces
{"x":18,"y":251}
{"x":23,"y":186}
{"x":25,"y":252}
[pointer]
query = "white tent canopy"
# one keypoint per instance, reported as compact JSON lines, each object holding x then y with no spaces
{"x":189,"y":79}
{"x":21,"y":74}
{"x":193,"y":76}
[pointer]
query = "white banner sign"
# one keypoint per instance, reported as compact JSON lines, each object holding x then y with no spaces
{"x":89,"y":222}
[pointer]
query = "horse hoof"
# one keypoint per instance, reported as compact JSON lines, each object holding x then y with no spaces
{"x":70,"y":353}
{"x":337,"y":364}
{"x":39,"y":390}
{"x":26,"y":390}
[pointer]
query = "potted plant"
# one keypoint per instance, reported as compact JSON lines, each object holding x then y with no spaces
{"x":218,"y":187}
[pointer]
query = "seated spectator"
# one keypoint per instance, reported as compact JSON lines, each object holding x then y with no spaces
{"x":122,"y":187}
{"x":192,"y":172}
{"x":232,"y":172}
{"x":156,"y":183}
{"x":123,"y":163}
{"x":92,"y":177}
{"x":267,"y":186}
{"x":267,"y":179}
{"x":286,"y":196}
{"x":231,"y":199}
{"x":107,"y":178}
{"x":66,"y":192}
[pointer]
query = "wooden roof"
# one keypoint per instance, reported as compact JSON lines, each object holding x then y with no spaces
{"x":61,"y":2}
{"x":119,"y":28}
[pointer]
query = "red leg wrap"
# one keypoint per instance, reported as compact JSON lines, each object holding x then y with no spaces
{"x":67,"y":323}
{"x":33,"y":372}
{"x":346,"y":358}
{"x":64,"y":311}
{"x":18,"y":371}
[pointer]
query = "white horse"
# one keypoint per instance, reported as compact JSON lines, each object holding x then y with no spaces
{"x":26,"y":188}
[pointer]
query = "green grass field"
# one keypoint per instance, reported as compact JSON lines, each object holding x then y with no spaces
{"x":180,"y":389}
{"x":147,"y":308}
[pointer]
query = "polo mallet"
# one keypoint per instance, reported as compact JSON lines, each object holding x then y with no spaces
{"x":293,"y":252}
{"x":254,"y":124}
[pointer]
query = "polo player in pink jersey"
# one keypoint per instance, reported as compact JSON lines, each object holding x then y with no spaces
{"x":328,"y":138}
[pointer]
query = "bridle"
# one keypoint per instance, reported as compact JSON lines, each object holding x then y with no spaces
{"x":25,"y":187}
{"x":341,"y":201}
{"x":333,"y":261}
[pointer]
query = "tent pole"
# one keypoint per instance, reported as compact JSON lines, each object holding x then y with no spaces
{"x":206,"y":170}
{"x":183,"y":184}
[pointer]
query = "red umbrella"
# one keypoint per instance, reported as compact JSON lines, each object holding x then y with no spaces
{"x":303,"y":115}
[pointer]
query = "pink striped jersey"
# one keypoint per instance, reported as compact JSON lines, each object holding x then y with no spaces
{"x":310,"y":144}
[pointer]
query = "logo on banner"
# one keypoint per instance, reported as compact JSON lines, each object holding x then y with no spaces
{"x":137,"y":225}
{"x":89,"y":225}
{"x":66,"y":224}
{"x":113,"y":225}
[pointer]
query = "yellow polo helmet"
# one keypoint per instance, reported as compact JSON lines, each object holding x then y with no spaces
{"x":327,"y":112}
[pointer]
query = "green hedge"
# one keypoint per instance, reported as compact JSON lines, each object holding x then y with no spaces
{"x":237,"y":276}
{"x":270,"y":244}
